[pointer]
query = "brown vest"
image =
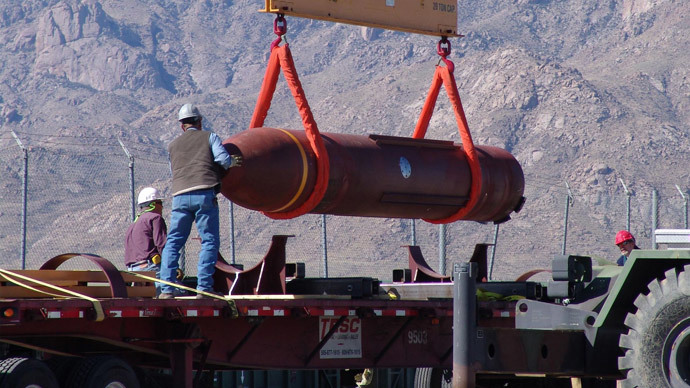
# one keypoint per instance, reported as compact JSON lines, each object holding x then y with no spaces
{"x":191,"y":160}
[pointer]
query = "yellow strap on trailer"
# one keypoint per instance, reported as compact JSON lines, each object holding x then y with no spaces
{"x":12,"y":277}
{"x":231,"y":302}
{"x":34,"y":289}
{"x":428,"y":17}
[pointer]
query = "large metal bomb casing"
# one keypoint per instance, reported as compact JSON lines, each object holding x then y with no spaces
{"x":371,"y":176}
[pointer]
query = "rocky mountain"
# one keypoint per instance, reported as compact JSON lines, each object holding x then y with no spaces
{"x":590,"y":93}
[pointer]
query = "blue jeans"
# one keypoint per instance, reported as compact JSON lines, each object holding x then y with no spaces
{"x":149,"y":267}
{"x":200,"y":206}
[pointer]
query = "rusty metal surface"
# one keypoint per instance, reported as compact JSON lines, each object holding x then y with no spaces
{"x":267,"y":277}
{"x":421,"y":271}
{"x":295,"y":340}
{"x":374,"y":176}
{"x":117,"y":284}
{"x":144,"y":331}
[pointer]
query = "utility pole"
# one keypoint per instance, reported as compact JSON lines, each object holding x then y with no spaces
{"x":25,"y":186}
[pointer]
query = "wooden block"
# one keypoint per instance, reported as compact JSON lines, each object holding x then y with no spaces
{"x":90,"y":283}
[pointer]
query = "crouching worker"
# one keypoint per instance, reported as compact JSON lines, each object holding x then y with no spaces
{"x":145,"y":238}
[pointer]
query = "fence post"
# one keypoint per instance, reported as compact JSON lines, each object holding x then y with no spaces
{"x":413,"y":236}
{"x":493,"y":251}
{"x":324,"y":245}
{"x":442,"y":249}
{"x":655,"y":216}
{"x":568,"y":203}
{"x":627,"y":205}
{"x":25,"y":187}
{"x":131,"y":177}
{"x":685,"y":207}
{"x":231,"y":216}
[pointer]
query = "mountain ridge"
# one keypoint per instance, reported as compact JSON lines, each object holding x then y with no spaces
{"x":585,"y":92}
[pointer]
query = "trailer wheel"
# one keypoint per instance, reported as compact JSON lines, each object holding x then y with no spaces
{"x":20,"y":372}
{"x":102,"y":372}
{"x":657,"y":345}
{"x":433,"y":378}
{"x":61,"y":367}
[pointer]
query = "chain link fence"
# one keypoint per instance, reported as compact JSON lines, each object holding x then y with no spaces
{"x":80,"y":194}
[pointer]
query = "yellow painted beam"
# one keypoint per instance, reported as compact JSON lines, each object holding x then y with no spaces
{"x":429,"y":17}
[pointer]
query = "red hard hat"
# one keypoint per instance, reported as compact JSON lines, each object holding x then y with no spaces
{"x":623,"y":235}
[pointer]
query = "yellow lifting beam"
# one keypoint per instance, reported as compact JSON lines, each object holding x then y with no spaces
{"x":429,"y":17}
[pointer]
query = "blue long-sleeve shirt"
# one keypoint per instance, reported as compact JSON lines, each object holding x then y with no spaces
{"x":220,"y":155}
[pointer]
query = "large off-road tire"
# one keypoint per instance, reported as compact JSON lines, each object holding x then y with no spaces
{"x":20,"y":372}
{"x":657,"y":344}
{"x":102,"y":372}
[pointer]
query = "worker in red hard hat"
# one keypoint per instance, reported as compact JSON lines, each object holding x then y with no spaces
{"x":626,"y":243}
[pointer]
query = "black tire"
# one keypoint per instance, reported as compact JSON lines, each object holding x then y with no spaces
{"x":20,"y":372}
{"x":432,"y":378}
{"x":61,"y":367}
{"x":102,"y":372}
{"x":657,"y":344}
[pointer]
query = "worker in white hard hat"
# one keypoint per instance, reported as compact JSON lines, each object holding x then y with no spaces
{"x":146,"y":236}
{"x":197,"y":160}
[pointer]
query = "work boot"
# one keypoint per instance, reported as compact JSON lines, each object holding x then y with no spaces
{"x":166,"y":295}
{"x":202,"y":296}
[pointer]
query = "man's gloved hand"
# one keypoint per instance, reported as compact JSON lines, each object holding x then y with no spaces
{"x":236,"y":160}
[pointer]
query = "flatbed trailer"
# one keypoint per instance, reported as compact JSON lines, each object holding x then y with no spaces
{"x":260,"y":332}
{"x":589,"y":326}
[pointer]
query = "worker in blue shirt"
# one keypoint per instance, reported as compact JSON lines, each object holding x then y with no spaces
{"x":197,"y":160}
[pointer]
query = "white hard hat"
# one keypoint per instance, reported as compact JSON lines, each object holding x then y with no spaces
{"x":188,"y":111}
{"x":148,"y":194}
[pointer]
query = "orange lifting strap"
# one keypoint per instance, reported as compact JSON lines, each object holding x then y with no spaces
{"x":444,"y":75}
{"x":282,"y":58}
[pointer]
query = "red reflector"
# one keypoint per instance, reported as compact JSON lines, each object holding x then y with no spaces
{"x":8,"y":313}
